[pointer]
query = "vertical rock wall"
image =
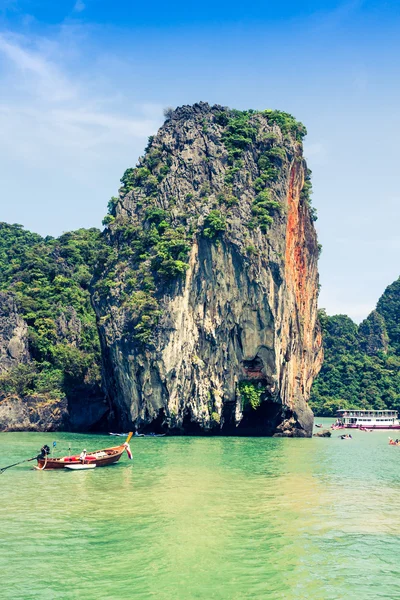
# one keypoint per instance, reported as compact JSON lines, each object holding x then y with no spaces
{"x":207,"y":298}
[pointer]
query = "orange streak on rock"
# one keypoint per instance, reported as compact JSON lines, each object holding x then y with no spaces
{"x":301,"y":275}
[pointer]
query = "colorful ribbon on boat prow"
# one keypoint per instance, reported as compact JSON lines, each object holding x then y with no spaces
{"x":128,"y":450}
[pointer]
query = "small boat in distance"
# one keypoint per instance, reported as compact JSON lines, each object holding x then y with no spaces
{"x":366,"y":419}
{"x":393,"y":442}
{"x":137,"y":434}
{"x":97,"y":458}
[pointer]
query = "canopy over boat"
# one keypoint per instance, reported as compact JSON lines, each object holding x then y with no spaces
{"x":97,"y":458}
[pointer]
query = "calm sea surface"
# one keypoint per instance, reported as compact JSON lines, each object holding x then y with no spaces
{"x":203,"y":518}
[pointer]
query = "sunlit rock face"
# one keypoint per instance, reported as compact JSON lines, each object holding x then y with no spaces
{"x":207,"y":298}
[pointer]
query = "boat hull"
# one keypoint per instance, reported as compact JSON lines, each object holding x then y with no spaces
{"x":383,"y":427}
{"x":54,"y":463}
{"x":98,"y":458}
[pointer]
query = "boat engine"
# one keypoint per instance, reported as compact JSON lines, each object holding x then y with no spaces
{"x":44,"y":451}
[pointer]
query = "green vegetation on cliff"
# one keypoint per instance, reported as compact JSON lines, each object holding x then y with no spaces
{"x":50,"y":280}
{"x":173,"y":200}
{"x":250,"y":394}
{"x":362,"y":363}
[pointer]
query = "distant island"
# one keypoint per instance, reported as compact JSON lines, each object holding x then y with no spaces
{"x":361,"y":363}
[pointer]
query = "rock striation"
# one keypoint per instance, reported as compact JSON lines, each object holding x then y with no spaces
{"x":206,"y":297}
{"x":33,"y":413}
{"x":13,"y":334}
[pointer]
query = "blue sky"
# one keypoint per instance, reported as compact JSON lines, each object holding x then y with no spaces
{"x":84,"y":83}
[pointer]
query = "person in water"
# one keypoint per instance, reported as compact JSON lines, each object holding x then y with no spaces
{"x":82,"y":455}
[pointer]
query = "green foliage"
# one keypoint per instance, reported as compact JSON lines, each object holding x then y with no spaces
{"x":240,"y":133}
{"x":139,"y":177}
{"x":141,"y":257}
{"x":251,"y":250}
{"x":128,"y":180}
{"x":153,"y":158}
{"x":259,"y":184}
{"x":389,"y":307}
{"x":362,"y":363}
{"x":287,"y":123}
{"x":267,"y":165}
{"x":108,"y":219}
{"x":305,"y":195}
{"x":19,"y":380}
{"x":112,"y":203}
{"x":214,"y":224}
{"x":31,"y":379}
{"x":222,"y":118}
{"x":215,"y":417}
{"x":276,"y":152}
{"x":250,"y":394}
{"x":156,"y":215}
{"x":373,"y":334}
{"x":263,"y":209}
{"x":50,"y":279}
{"x":144,"y":314}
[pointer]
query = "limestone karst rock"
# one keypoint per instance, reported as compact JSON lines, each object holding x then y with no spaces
{"x":207,"y":296}
{"x":13,"y":334}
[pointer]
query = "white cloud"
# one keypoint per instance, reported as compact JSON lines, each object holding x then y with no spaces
{"x":55,"y":111}
{"x":34,"y":72}
{"x":62,"y":132}
{"x":79,"y":6}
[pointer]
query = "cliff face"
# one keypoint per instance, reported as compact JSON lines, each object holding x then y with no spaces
{"x":13,"y":334}
{"x":207,"y":297}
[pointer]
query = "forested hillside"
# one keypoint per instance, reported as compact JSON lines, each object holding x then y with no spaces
{"x":362,"y":363}
{"x":49,"y":280}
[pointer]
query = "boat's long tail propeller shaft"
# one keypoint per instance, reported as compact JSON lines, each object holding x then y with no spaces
{"x":17,"y":463}
{"x":44,"y":451}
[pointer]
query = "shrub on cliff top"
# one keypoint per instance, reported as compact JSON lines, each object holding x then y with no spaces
{"x":286,"y":122}
{"x":239,"y":134}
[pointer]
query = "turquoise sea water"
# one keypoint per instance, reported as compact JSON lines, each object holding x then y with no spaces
{"x":203,"y":518}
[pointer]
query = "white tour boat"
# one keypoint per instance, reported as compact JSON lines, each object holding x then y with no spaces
{"x":367,"y":419}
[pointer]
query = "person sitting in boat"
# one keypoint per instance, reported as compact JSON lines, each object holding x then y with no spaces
{"x":82,"y":455}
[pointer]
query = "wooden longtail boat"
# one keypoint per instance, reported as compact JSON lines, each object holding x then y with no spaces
{"x":100,"y":458}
